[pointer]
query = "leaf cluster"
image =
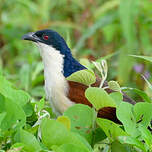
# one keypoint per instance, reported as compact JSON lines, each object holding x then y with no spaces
{"x":28,"y":125}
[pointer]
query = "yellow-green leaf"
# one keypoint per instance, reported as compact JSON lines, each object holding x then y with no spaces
{"x":99,"y":98}
{"x":114,"y":85}
{"x":65,"y":121}
{"x":86,"y":77}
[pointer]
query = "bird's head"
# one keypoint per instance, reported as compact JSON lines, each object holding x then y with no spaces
{"x":50,"y":38}
{"x":54,"y":48}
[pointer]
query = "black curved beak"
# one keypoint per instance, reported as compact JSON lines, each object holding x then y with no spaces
{"x":31,"y":37}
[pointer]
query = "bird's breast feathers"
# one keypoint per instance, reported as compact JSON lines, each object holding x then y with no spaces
{"x":56,"y":85}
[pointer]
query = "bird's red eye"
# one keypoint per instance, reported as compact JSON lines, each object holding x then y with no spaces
{"x":45,"y":37}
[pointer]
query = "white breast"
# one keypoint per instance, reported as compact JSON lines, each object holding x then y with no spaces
{"x":56,"y":86}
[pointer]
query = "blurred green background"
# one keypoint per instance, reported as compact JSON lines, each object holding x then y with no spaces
{"x":93,"y":29}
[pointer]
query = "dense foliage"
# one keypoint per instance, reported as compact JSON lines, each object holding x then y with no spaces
{"x":116,"y":30}
{"x":28,"y":125}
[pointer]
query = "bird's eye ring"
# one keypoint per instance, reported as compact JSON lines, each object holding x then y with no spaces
{"x":45,"y":37}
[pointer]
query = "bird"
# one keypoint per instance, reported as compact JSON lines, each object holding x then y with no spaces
{"x":59,"y":64}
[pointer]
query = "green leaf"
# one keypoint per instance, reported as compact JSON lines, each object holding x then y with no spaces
{"x":30,"y":142}
{"x":146,"y":135}
{"x":18,"y":146}
{"x":143,"y":113}
{"x":82,"y":120}
{"x":14,"y":115}
{"x":99,"y":98}
{"x":117,"y":97}
{"x":18,"y":96}
{"x":111,"y":129}
{"x":37,"y":91}
{"x":132,"y":141}
{"x":118,"y":147}
{"x":125,"y":114}
{"x":28,"y":109}
{"x":70,"y":148}
{"x":114,"y":86}
{"x":65,"y":121}
{"x":134,"y":116}
{"x":2,"y":116}
{"x":98,"y":135}
{"x":2,"y":103}
{"x":147,"y":58}
{"x":86,"y":77}
{"x":40,"y":104}
{"x":55,"y":133}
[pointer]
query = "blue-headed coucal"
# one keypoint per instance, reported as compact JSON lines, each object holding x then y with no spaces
{"x":59,"y":64}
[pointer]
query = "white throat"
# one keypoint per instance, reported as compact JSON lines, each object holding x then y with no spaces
{"x":56,"y":86}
